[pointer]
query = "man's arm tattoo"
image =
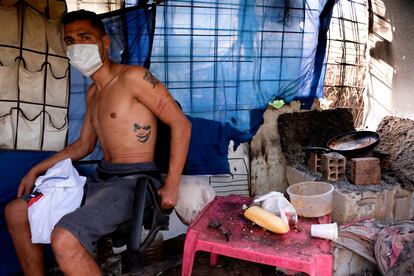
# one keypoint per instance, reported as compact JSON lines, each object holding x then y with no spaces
{"x":151,"y":79}
{"x":142,"y":133}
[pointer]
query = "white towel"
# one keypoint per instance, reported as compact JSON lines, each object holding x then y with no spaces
{"x":62,"y":189}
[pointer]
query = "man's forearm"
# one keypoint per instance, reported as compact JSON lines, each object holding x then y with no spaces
{"x":74,"y":151}
{"x":180,"y":140}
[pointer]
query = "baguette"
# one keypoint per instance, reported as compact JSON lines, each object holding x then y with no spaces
{"x":267,"y":220}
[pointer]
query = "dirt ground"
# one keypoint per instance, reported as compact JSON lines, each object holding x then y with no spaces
{"x":226,"y":266}
{"x":168,"y":261}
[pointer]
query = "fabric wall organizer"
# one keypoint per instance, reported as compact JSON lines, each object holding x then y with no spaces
{"x":34,"y":76}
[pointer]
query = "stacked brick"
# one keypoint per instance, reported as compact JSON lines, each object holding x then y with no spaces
{"x":365,"y":171}
{"x":333,"y":166}
{"x":314,"y":162}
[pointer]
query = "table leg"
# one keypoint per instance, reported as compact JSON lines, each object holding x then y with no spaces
{"x":324,"y":265}
{"x":213,"y":258}
{"x":189,"y":253}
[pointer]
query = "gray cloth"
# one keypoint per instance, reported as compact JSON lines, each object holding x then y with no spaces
{"x":109,"y":201}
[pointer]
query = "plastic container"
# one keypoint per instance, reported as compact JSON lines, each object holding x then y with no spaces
{"x":311,"y":199}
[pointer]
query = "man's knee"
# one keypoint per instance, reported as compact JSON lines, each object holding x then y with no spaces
{"x":15,"y":213}
{"x":63,"y":241}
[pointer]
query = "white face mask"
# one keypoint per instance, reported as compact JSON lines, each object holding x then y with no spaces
{"x":84,"y":57}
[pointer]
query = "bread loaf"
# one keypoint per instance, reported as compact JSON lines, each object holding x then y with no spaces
{"x":267,"y":220}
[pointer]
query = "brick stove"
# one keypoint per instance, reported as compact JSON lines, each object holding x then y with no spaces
{"x":363,"y":170}
{"x":364,"y":185}
{"x":360,"y":191}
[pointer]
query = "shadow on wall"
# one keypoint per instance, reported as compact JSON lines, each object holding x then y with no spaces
{"x":379,"y":98}
{"x":382,"y":51}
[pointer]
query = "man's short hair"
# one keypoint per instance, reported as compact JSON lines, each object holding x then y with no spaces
{"x":84,"y":15}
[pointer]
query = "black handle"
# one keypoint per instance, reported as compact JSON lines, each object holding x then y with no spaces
{"x":316,"y":149}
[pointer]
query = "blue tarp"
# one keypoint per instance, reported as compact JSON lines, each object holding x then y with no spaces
{"x":222,"y":61}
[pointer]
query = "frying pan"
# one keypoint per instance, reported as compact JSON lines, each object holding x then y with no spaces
{"x":351,"y":143}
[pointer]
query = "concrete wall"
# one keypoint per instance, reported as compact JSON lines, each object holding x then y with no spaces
{"x":390,"y":78}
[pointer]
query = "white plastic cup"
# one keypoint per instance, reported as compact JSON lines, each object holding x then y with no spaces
{"x":325,"y":231}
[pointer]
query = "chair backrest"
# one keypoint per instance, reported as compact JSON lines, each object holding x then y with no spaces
{"x":162,"y":146}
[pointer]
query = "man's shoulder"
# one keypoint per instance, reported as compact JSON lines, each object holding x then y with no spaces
{"x":134,"y":71}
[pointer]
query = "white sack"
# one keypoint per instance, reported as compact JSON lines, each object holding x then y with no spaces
{"x":193,"y":195}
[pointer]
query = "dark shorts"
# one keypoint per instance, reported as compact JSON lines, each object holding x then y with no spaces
{"x":109,"y":201}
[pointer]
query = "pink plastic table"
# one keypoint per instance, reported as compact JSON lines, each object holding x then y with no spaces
{"x":296,"y":250}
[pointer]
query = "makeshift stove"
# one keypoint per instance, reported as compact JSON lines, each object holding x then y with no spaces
{"x":357,"y":195}
{"x":333,"y":167}
{"x":358,"y":147}
{"x":323,"y":146}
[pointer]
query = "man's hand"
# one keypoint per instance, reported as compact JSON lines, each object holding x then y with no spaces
{"x":26,"y":184}
{"x":169,"y":195}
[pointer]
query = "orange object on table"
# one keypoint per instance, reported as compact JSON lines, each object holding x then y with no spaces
{"x":296,"y":250}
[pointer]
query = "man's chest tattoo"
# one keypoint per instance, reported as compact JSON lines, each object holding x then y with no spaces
{"x":151,"y":79}
{"x":142,"y":133}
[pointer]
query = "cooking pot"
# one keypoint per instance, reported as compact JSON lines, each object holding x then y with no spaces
{"x":351,"y":143}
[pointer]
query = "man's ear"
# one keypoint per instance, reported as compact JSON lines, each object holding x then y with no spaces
{"x":106,"y":42}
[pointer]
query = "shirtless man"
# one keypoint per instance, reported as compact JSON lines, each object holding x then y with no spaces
{"x":123,"y":105}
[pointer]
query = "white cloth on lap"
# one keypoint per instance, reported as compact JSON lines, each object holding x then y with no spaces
{"x":62,"y":189}
{"x":194,"y":194}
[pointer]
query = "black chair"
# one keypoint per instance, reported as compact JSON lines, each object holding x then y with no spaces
{"x":151,"y":217}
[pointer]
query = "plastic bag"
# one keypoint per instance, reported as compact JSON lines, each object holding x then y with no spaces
{"x":276,"y":203}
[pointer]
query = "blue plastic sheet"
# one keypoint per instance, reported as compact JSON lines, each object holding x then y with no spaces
{"x":223,"y":61}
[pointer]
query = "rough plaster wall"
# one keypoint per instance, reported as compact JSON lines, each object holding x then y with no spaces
{"x":397,"y":137}
{"x":268,"y":164}
{"x":390,"y":79}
